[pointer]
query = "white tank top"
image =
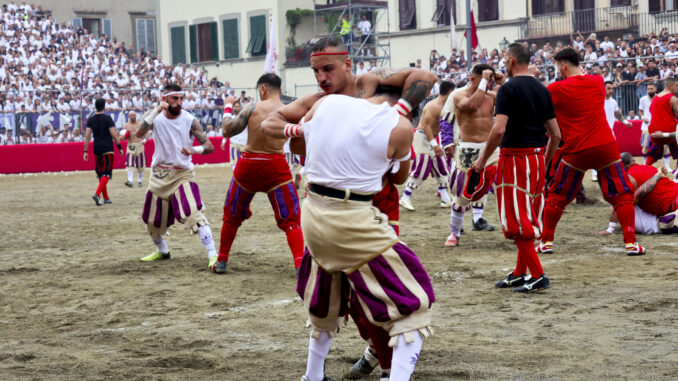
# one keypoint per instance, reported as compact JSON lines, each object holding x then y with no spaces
{"x":347,"y":143}
{"x":170,"y":136}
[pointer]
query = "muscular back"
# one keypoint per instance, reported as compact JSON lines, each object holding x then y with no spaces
{"x":257,"y":141}
{"x":430,"y":117}
{"x":474,"y":125}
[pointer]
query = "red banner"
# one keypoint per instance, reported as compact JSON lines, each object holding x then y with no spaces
{"x":27,"y":158}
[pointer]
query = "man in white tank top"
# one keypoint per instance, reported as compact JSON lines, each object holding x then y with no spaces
{"x":172,"y":192}
{"x":349,"y":241}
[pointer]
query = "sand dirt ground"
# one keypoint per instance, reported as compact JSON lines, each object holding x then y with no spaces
{"x":76,"y":302}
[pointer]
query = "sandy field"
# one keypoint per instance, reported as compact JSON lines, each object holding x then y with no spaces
{"x":76,"y":302}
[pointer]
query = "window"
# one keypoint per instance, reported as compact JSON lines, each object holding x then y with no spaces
{"x":76,"y":22}
{"x":108,"y":28}
{"x":231,"y":41}
{"x":257,"y":43}
{"x":445,"y":9}
{"x":620,"y":3}
{"x":204,"y":42}
{"x":93,"y":26}
{"x":657,"y":6}
{"x":488,"y":10}
{"x":178,"y":42}
{"x":145,"y":30}
{"x":541,"y":7}
{"x":408,"y":14}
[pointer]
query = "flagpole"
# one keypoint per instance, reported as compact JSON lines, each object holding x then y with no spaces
{"x":469,"y":48}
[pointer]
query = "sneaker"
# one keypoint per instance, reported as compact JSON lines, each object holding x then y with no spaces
{"x":129,"y":184}
{"x":219,"y":267}
{"x":534,"y":284}
{"x":444,"y":204}
{"x":108,"y":202}
{"x":305,"y":378}
{"x":634,"y":249}
{"x":482,"y":225}
{"x":155,"y":256}
{"x":452,"y":240}
{"x":364,"y":366}
{"x":545,"y":247}
{"x":139,"y":184}
{"x":406,"y":203}
{"x":97,"y":200}
{"x":511,"y":281}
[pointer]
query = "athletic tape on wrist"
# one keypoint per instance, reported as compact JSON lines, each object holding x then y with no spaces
{"x":293,"y":130}
{"x":228,"y":110}
{"x":199,"y":149}
{"x":404,"y":107}
{"x":433,"y":143}
{"x":483,"y":85}
{"x":151,"y":116}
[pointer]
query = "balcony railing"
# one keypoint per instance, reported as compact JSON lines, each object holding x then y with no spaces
{"x":621,"y":19}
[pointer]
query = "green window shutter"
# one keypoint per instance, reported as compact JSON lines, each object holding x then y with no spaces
{"x":178,"y":37}
{"x":231,"y":41}
{"x":193,"y":40}
{"x":214,"y":41}
{"x":258,"y":32}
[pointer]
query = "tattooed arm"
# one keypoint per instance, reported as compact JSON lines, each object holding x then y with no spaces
{"x":233,"y":126}
{"x":205,"y":146}
{"x":416,"y":83}
{"x":674,"y":106}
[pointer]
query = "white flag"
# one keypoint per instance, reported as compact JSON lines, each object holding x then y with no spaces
{"x":271,"y":64}
{"x":453,"y":32}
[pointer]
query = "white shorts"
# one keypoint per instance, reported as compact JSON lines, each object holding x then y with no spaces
{"x":646,"y":223}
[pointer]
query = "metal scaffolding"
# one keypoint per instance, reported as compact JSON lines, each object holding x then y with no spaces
{"x":376,"y":47}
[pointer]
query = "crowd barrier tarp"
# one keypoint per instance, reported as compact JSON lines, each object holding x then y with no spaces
{"x":32,"y":158}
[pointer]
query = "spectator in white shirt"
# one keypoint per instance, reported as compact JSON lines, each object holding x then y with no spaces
{"x":365,"y":27}
{"x":361,"y":69}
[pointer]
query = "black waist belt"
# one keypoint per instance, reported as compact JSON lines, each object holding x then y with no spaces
{"x":336,"y":193}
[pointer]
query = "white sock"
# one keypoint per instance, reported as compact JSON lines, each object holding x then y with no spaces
{"x":444,"y":196}
{"x":130,"y":176}
{"x":611,"y":227}
{"x":456,"y":220}
{"x":205,"y":234}
{"x":317,"y":351}
{"x":140,"y":176}
{"x":160,"y":243}
{"x":405,"y":356}
{"x":477,"y":214}
{"x":667,"y":163}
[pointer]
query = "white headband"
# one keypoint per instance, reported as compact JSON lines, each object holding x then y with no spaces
{"x":173,"y":93}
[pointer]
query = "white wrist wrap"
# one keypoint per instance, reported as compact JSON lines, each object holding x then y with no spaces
{"x":151,"y":116}
{"x":199,"y":149}
{"x":433,"y":143}
{"x":483,"y":85}
{"x":228,"y":110}
{"x":404,"y":107}
{"x":293,"y":130}
{"x":611,"y":227}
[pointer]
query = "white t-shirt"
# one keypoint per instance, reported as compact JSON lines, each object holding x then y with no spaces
{"x":607,"y":44}
{"x":365,"y":26}
{"x":610,"y":107}
{"x":352,"y":157}
{"x":644,"y":106}
{"x":170,"y":136}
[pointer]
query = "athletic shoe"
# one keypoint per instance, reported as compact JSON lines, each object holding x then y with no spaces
{"x":139,"y":184}
{"x":97,"y":200}
{"x":364,"y":366}
{"x":482,"y":225}
{"x":534,"y":284}
{"x":406,"y":203}
{"x":305,"y":378}
{"x":219,"y":267}
{"x":108,"y":202}
{"x":634,"y":249}
{"x":452,"y":240}
{"x":129,"y":184}
{"x":444,"y":204}
{"x":545,"y":247}
{"x":511,"y":281}
{"x":212,"y":261}
{"x":155,"y":256}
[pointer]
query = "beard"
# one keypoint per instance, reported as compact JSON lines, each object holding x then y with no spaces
{"x":174,"y":110}
{"x":649,"y":94}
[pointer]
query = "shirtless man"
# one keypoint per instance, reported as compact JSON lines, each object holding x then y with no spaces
{"x":261,"y":168}
{"x":135,"y":159}
{"x":473,"y":108}
{"x":428,"y":152}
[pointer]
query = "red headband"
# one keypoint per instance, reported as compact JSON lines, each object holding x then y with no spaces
{"x":328,"y":54}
